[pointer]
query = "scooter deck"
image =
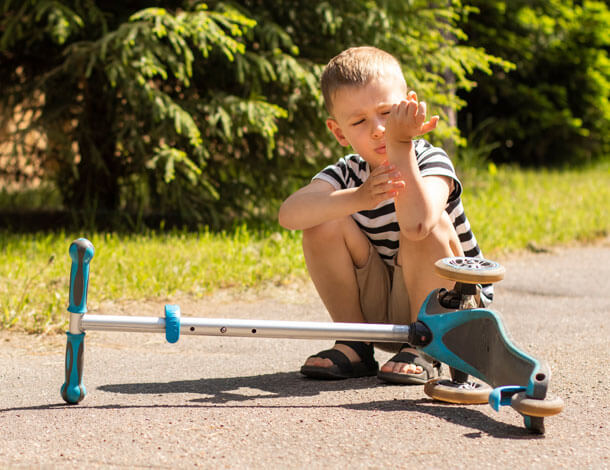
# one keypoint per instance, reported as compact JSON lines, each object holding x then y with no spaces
{"x":474,"y":341}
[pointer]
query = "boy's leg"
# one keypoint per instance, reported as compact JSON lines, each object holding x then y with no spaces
{"x":416,"y":259}
{"x":331,"y":250}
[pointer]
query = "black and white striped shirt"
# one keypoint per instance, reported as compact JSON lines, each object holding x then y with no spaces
{"x":381,"y":224}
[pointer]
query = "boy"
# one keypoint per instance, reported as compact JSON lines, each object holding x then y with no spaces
{"x":376,"y":221}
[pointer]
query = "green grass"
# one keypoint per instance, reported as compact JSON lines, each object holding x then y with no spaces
{"x":34,"y":269}
{"x":509,"y":210}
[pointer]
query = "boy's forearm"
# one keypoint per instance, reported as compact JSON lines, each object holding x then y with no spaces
{"x":415,"y":208}
{"x":304,"y":210}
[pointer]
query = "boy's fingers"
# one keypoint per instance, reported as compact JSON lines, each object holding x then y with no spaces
{"x":411,"y":108}
{"x":385,"y":167}
{"x":430,"y":125}
{"x":401,"y":107}
{"x":421,"y":111}
{"x":395,"y":184}
{"x":397,"y":187}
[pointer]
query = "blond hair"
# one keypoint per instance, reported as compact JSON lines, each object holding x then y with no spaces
{"x":356,"y":66}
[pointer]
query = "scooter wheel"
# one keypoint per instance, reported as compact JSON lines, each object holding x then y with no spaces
{"x":537,"y":408}
{"x":463,"y":393}
{"x":469,"y":270}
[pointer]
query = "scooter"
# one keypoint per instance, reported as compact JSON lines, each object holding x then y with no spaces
{"x":451,"y":328}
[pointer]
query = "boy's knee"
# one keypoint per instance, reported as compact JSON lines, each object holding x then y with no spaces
{"x":322,"y":232}
{"x":442,"y":235}
{"x":335,"y":236}
{"x":323,"y":235}
{"x":445,"y":227}
{"x":449,"y":236}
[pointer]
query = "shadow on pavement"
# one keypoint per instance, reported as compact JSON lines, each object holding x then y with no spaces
{"x":225,"y":389}
{"x":481,"y":424}
{"x":455,"y":414}
{"x":291,"y":384}
{"x":218,"y":392}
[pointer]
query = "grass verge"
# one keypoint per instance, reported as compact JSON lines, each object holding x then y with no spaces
{"x":512,"y":209}
{"x":509,"y":210}
{"x":35,"y":269}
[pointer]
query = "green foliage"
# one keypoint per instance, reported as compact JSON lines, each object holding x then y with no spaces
{"x":43,"y":197}
{"x":554,"y":108}
{"x":208,"y":110}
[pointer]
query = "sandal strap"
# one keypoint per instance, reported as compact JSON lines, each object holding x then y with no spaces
{"x":337,"y":358}
{"x":421,"y":354}
{"x":365,"y":351}
{"x":407,"y":357}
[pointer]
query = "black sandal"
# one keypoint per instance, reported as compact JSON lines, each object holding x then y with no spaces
{"x":342,"y":367}
{"x":430,"y":368}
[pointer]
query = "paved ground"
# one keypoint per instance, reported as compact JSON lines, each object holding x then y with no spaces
{"x":240,"y":403}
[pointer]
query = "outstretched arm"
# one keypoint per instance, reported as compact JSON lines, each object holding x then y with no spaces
{"x":319,"y":201}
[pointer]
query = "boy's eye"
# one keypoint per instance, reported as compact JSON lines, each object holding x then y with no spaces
{"x":358,"y":122}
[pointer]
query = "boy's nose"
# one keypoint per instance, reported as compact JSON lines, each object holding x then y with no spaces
{"x":378,"y":129}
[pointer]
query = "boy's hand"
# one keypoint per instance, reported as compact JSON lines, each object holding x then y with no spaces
{"x":407,"y":120}
{"x":383,"y":183}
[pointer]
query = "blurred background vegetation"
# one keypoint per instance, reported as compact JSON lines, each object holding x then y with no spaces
{"x":189,"y":113}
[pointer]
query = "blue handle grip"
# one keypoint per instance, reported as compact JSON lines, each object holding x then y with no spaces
{"x":81,"y":251}
{"x":73,"y":390}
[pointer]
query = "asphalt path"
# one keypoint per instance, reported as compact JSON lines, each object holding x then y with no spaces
{"x":217,"y":402}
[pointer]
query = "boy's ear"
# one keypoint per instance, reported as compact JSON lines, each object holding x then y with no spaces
{"x":337,"y":132}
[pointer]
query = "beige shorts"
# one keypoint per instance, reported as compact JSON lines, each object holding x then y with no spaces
{"x":383,"y":294}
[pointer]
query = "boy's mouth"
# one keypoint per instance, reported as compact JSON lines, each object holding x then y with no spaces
{"x":380,"y":149}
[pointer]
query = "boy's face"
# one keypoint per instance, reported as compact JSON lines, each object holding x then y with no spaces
{"x":360,"y":113}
